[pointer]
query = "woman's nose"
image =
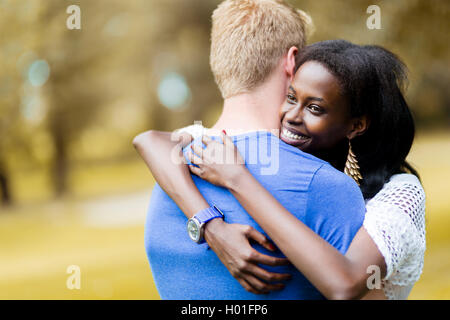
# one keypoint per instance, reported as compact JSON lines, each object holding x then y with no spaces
{"x":294,"y":115}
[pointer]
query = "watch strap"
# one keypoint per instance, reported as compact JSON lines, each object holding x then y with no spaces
{"x":208,"y":214}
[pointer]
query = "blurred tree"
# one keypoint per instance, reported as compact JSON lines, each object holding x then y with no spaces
{"x":72,"y":102}
{"x":13,"y":134}
{"x":100,"y":87}
{"x":416,"y":30}
{"x":4,"y":186}
{"x":85,"y":77}
{"x":181,"y":45}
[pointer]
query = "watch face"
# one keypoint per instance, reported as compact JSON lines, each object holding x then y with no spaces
{"x":193,"y":229}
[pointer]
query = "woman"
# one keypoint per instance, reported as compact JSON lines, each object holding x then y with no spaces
{"x":345,"y":106}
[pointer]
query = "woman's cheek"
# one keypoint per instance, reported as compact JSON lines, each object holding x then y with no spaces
{"x":324,"y":134}
{"x":315,"y":125}
{"x":333,"y":135}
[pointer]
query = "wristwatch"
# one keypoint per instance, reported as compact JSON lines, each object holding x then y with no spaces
{"x":196,"y":224}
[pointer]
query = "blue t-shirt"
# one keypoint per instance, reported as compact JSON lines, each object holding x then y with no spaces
{"x":325,"y":199}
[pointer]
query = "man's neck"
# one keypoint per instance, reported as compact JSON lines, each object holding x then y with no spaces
{"x":255,"y":111}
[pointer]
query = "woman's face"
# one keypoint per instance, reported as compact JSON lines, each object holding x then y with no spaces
{"x":315,"y":116}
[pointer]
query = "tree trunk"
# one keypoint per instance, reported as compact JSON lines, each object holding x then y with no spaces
{"x":60,"y":166}
{"x":5,"y":191}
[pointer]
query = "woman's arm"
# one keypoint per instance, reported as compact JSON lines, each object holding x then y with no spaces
{"x":162,"y":152}
{"x":335,"y":275}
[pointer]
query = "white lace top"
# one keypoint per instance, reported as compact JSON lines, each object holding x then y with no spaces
{"x":395,"y":219}
{"x":195,"y":130}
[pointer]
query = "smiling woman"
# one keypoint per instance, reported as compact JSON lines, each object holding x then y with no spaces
{"x":348,"y":96}
{"x":316,"y":115}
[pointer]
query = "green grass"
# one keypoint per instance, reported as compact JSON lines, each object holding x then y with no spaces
{"x":37,"y":248}
{"x":40,"y":240}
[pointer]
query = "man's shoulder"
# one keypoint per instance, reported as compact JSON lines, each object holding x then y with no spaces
{"x":327,"y":177}
{"x":266,"y":149}
{"x":332,"y":191}
{"x":269,"y":138}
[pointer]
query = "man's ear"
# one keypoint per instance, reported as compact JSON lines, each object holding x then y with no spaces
{"x":359,"y":126}
{"x":290,"y":62}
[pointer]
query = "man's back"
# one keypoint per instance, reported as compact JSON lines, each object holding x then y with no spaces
{"x":323,"y":198}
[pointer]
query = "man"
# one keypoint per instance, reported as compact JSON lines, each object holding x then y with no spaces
{"x":253,"y":49}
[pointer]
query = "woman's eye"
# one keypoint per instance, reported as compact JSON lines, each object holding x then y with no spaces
{"x":291,"y":98}
{"x":315,"y":108}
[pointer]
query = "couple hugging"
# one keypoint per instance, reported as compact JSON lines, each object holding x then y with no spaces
{"x":340,"y":216}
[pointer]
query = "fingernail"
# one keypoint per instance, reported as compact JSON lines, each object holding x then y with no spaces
{"x":224,"y":132}
{"x":272,"y":247}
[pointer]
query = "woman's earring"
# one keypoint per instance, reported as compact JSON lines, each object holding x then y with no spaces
{"x":351,"y":166}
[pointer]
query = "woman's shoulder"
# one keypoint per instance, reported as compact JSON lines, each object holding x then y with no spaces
{"x":404,"y":178}
{"x":404,"y":192}
{"x":400,"y":187}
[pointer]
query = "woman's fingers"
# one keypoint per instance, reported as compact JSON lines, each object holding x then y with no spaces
{"x":260,"y":238}
{"x":198,"y":150}
{"x":185,"y":139}
{"x":195,"y":170}
{"x":206,"y":139}
{"x":204,"y":153}
{"x":257,"y":284}
{"x":266,"y":275}
{"x":258,"y":257}
{"x":216,"y":152}
{"x":259,"y":279}
{"x":193,"y":158}
{"x":248,"y":287}
{"x":229,"y":145}
{"x":261,"y":286}
{"x":226,"y":139}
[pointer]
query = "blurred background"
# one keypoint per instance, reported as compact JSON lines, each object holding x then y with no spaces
{"x":73,"y":190}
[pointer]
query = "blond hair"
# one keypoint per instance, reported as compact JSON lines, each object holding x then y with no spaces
{"x":248,"y":39}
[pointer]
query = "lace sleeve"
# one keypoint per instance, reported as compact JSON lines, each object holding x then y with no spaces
{"x":195,"y":130}
{"x":395,"y":219}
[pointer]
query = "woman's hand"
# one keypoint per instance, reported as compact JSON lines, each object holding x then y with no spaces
{"x":219,"y":163}
{"x":231,"y":243}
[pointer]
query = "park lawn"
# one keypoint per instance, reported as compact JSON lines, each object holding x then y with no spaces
{"x":39,"y":241}
{"x":38,"y":247}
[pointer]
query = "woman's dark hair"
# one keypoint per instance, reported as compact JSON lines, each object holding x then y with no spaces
{"x":372,"y":79}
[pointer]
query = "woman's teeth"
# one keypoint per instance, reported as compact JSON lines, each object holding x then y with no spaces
{"x":293,"y":136}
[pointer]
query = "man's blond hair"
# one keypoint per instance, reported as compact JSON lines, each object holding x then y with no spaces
{"x":248,"y":39}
